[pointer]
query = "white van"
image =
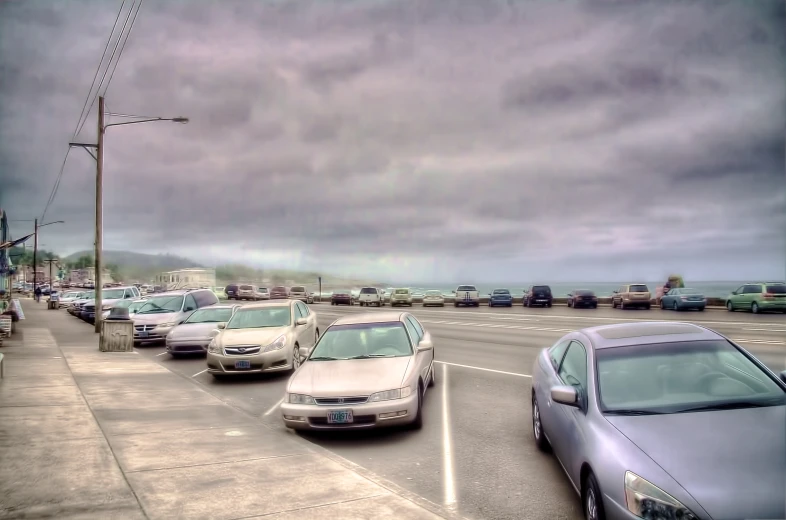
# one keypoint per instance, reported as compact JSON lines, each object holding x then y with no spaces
{"x":467,"y":295}
{"x":371,"y":296}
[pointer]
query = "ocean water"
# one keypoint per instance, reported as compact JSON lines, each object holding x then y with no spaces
{"x":560,"y":290}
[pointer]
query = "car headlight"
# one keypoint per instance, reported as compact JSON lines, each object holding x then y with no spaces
{"x":279,"y":343}
{"x":106,"y":307}
{"x":213,"y":347}
{"x":167,"y":324}
{"x":299,"y":399}
{"x":646,"y":500}
{"x":387,"y":395}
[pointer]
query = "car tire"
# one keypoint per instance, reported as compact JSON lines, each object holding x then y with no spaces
{"x":432,"y":380}
{"x":622,"y":305}
{"x":295,"y":357}
{"x":417,"y":424}
{"x":648,"y":306}
{"x":455,"y":304}
{"x":701,"y":309}
{"x":592,"y":499}
{"x":675,"y":307}
{"x":548,"y":305}
{"x":729,"y":306}
{"x":218,"y":377}
{"x":755,"y":308}
{"x":537,"y":427}
{"x":662,"y":305}
{"x":594,"y":305}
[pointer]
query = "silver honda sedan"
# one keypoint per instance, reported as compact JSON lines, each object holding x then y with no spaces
{"x":663,"y":420}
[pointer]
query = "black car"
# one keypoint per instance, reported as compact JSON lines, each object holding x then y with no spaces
{"x":538,"y":295}
{"x":342,"y":297}
{"x":231,"y":291}
{"x":582,"y":298}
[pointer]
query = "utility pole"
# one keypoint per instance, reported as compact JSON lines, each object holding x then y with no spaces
{"x":99,"y":213}
{"x":35,"y":256}
{"x":51,"y":261}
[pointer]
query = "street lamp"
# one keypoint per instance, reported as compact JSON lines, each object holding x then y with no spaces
{"x":35,"y":250}
{"x":99,"y":158}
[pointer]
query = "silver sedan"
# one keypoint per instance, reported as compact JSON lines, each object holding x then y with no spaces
{"x":663,"y":420}
{"x":198,"y":330}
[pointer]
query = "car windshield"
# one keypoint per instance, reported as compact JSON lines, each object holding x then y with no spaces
{"x":245,"y":287}
{"x":88,"y":295}
{"x":71,"y":295}
{"x":365,"y":340}
{"x":542,"y":288}
{"x":682,"y":377}
{"x":122,"y":303}
{"x":638,"y":288}
{"x":280,"y":289}
{"x":368,"y":290}
{"x":584,"y":293}
{"x":113,"y":294}
{"x":134,"y":307}
{"x":433,"y":293}
{"x":298,"y":289}
{"x":402,"y":291}
{"x":162,"y":304}
{"x":260,"y":317}
{"x":688,"y":291}
{"x":501,"y":291}
{"x":210,"y":316}
{"x":776,"y":289}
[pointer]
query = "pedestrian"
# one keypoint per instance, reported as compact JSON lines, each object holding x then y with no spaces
{"x":37,"y":293}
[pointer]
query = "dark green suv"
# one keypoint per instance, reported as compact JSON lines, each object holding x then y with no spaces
{"x":758,"y":297}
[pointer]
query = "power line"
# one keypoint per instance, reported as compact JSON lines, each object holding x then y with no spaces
{"x":114,"y":50}
{"x":98,"y":69}
{"x":53,"y":194}
{"x":123,"y":47}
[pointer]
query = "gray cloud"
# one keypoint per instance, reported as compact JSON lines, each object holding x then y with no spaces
{"x":414,"y":139}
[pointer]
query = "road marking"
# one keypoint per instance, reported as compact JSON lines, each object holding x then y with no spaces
{"x":274,"y":407}
{"x":161,"y":354}
{"x":768,"y":330}
{"x":759,"y":341}
{"x":202,"y":372}
{"x":484,"y":369}
{"x":449,"y":482}
{"x":495,"y":326}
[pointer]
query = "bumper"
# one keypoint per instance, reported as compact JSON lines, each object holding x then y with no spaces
{"x":440,"y":302}
{"x":314,"y":417}
{"x":585,"y":303}
{"x":692,"y":305}
{"x":341,"y":301}
{"x":276,"y":361}
{"x":468,"y":302}
{"x":636,"y":303}
{"x":187,"y":346}
{"x":401,"y":301}
{"x":772,"y":306}
{"x":156,"y":334}
{"x":498,"y":301}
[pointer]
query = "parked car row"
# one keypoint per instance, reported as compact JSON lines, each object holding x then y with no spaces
{"x":255,"y":293}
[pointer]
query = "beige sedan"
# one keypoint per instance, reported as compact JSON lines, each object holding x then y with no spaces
{"x":263,"y":337}
{"x":366,"y":370}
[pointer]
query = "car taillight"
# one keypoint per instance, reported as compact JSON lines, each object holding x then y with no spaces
{"x":767,"y":295}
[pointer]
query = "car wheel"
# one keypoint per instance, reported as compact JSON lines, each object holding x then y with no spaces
{"x":648,"y":306}
{"x":432,"y":380}
{"x":455,"y":304}
{"x":675,"y":307}
{"x":594,"y":305}
{"x":622,"y":305}
{"x":217,"y":376}
{"x":701,"y":309}
{"x":537,"y":427}
{"x":548,"y":305}
{"x":592,"y":499}
{"x":662,"y":305}
{"x":729,"y":306}
{"x":295,"y":357}
{"x":755,"y":308}
{"x":417,"y":424}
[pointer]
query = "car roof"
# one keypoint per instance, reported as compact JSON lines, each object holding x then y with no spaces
{"x":647,"y":332}
{"x":371,"y":317}
{"x":271,"y":303}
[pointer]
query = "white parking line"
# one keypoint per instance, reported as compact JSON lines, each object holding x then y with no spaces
{"x":494,"y":326}
{"x":274,"y":407}
{"x":202,"y":372}
{"x":162,"y":354}
{"x":768,"y":330}
{"x":449,"y":482}
{"x":484,"y":369}
{"x":759,"y":341}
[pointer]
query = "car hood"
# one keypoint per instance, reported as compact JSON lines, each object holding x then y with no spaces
{"x":732,"y":462}
{"x":262,"y":336}
{"x":154,"y":319}
{"x":347,"y":378}
{"x":193,"y":331}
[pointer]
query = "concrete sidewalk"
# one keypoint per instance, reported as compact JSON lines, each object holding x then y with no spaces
{"x":92,"y":435}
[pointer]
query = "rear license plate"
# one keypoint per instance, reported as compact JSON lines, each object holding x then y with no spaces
{"x":143,"y":334}
{"x":340,"y":417}
{"x":243,"y":364}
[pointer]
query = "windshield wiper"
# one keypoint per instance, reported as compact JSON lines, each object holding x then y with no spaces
{"x":631,"y":412}
{"x":737,"y":405}
{"x":322,"y":358}
{"x":369,"y":356}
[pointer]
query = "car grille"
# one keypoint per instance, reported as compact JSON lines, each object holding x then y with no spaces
{"x":332,"y":401}
{"x":358,"y":419}
{"x":143,"y":328}
{"x":244,"y":350}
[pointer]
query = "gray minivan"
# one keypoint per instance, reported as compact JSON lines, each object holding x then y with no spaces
{"x":164,"y":311}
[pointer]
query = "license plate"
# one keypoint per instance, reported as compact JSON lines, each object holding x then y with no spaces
{"x":143,"y":334}
{"x":340,"y":417}
{"x":244,"y":363}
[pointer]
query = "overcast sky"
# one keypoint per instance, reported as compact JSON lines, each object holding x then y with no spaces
{"x":444,"y":140}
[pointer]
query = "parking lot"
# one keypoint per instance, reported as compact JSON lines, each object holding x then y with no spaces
{"x":475,"y":453}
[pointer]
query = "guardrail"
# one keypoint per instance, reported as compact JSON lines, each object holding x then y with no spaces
{"x":605,"y":301}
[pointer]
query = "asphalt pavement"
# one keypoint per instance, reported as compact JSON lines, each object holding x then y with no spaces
{"x":475,"y":453}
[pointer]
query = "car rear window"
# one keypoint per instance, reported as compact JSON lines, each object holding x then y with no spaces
{"x":402,"y":291}
{"x":777,"y":289}
{"x":298,"y":288}
{"x":467,"y":288}
{"x":368,"y":290}
{"x":245,"y":287}
{"x":584,"y":293}
{"x":279,"y":289}
{"x":542,"y":288}
{"x":501,"y":291}
{"x":638,"y":288}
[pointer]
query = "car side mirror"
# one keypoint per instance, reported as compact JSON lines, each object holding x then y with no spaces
{"x":733,"y":292}
{"x":783,"y":376}
{"x":301,"y":321}
{"x":221,"y":326}
{"x":425,"y":345}
{"x":566,"y":395}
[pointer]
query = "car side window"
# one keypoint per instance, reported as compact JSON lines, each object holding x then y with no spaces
{"x":573,"y":369}
{"x":418,"y":327}
{"x":557,"y":352}
{"x":752,"y":289}
{"x":413,"y":334}
{"x":190,"y":303}
{"x":303,"y":309}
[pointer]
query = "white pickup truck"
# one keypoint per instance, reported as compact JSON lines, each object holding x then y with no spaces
{"x":467,"y":295}
{"x":371,"y":296}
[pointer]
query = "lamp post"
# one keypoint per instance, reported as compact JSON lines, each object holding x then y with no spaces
{"x":99,"y":158}
{"x":35,"y":249}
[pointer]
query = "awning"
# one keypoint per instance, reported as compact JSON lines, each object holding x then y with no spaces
{"x":12,"y":243}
